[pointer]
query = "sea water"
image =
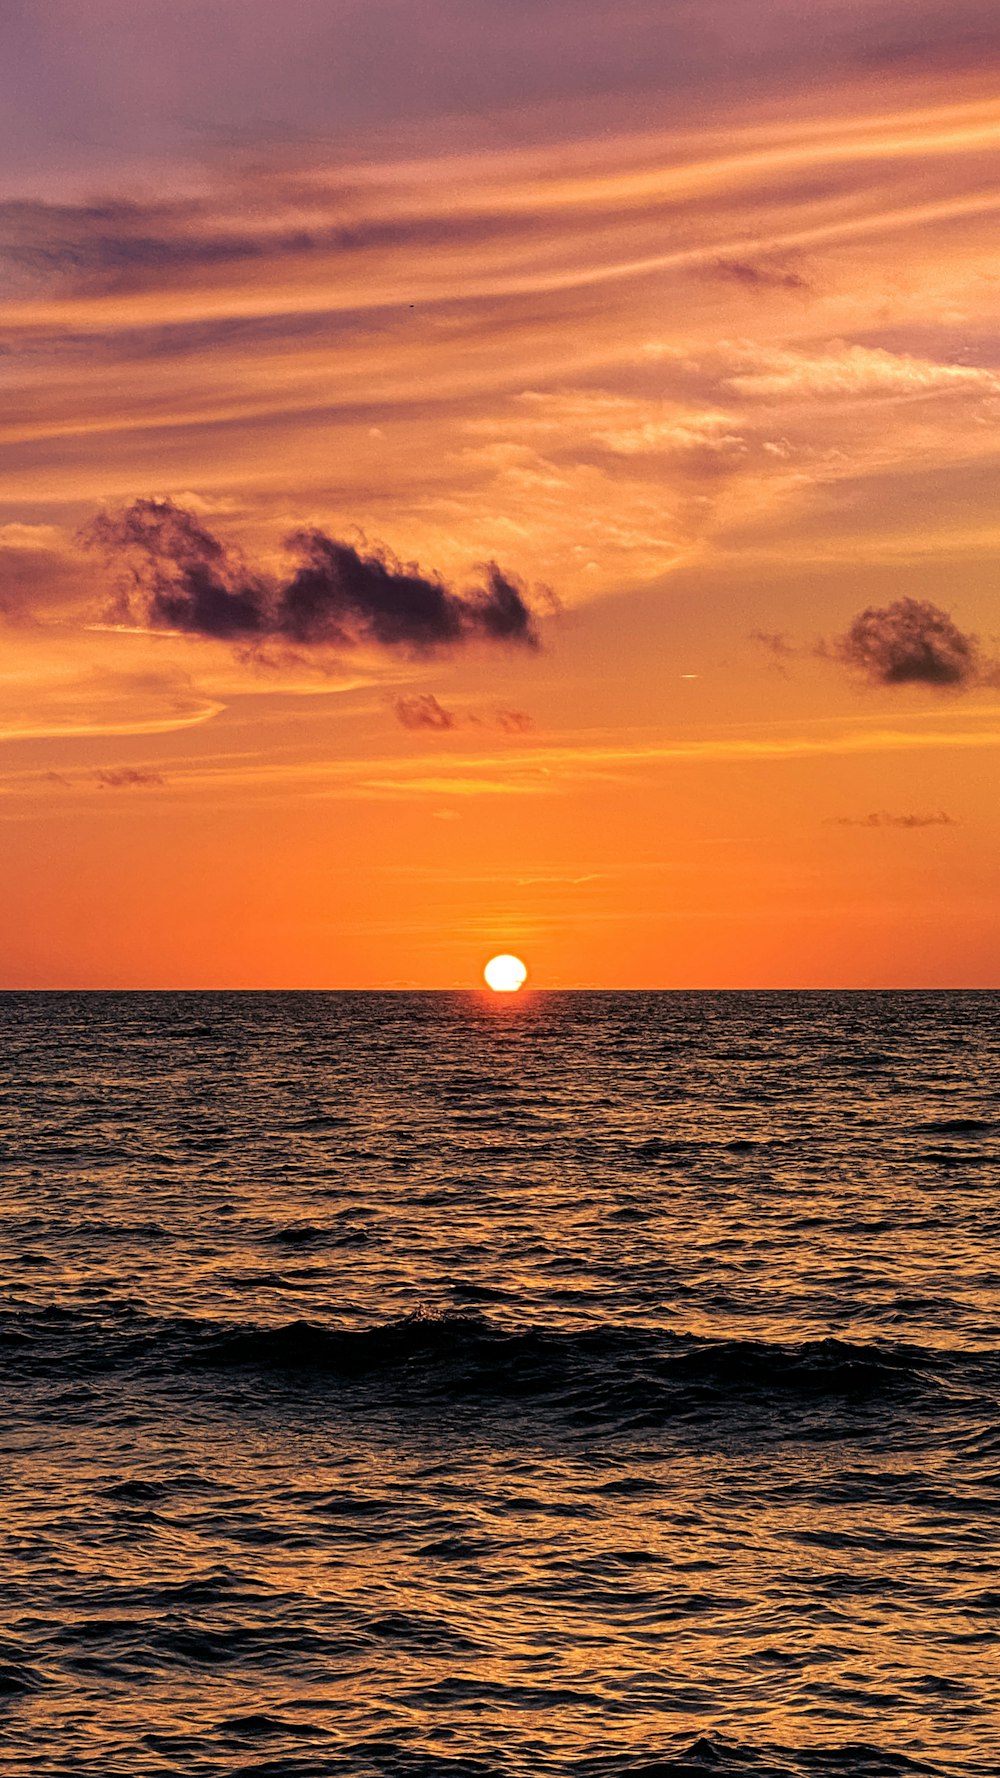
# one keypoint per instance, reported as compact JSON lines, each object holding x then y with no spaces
{"x":567,"y":1383}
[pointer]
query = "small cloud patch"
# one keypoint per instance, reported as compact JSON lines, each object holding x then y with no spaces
{"x":910,"y":642}
{"x":882,"y":818}
{"x":127,"y":778}
{"x":757,"y":277}
{"x":423,"y":712}
{"x":514,"y":722}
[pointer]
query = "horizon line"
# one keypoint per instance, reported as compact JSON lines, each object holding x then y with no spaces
{"x":522,"y":993}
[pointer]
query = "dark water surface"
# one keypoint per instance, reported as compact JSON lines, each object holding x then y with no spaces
{"x":432,"y":1384}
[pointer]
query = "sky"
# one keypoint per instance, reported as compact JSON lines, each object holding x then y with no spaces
{"x":486,"y":478}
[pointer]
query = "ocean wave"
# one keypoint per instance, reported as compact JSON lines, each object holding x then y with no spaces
{"x":628,"y":1368}
{"x":960,"y":1126}
{"x":392,"y":1756}
{"x":635,"y":1375}
{"x":709,"y":1756}
{"x":18,"y":1677}
{"x":729,"y":1759}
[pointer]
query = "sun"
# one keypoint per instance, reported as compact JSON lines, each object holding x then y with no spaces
{"x":505,"y":974}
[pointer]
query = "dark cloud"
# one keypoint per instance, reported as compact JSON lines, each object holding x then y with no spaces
{"x":127,"y":778}
{"x":910,"y":642}
{"x":342,"y":597}
{"x":423,"y":712}
{"x":757,"y":277}
{"x":884,"y":819}
{"x":176,"y":575}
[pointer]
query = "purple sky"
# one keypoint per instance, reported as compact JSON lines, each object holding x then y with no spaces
{"x":86,"y":89}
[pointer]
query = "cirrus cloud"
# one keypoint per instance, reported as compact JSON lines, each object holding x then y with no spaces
{"x":851,"y":370}
{"x":127,"y":778}
{"x":883,"y":818}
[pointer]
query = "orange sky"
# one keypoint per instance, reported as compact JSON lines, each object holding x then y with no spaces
{"x":694,"y":333}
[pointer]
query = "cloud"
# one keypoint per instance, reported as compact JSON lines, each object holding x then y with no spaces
{"x":177,"y":575}
{"x":882,"y":818}
{"x":34,"y":539}
{"x":341,"y":597}
{"x":316,"y":333}
{"x":107,"y":778}
{"x":78,"y":82}
{"x":910,"y":642}
{"x":856,"y":371}
{"x":423,"y":712}
{"x":514,"y":722}
{"x":55,"y":692}
{"x":371,"y":326}
{"x":126,"y":778}
{"x":757,"y":277}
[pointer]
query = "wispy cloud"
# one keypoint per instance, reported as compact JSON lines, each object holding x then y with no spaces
{"x":127,"y":778}
{"x":882,"y":818}
{"x":856,"y":371}
{"x":754,"y":276}
{"x":424,"y":711}
{"x":515,"y":353}
{"x":49,"y":692}
{"x":556,"y":767}
{"x":514,"y":722}
{"x":603,"y":356}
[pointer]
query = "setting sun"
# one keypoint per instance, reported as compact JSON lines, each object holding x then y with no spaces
{"x":505,"y":974}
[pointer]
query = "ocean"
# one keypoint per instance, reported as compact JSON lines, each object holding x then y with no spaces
{"x":459,"y":1386}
